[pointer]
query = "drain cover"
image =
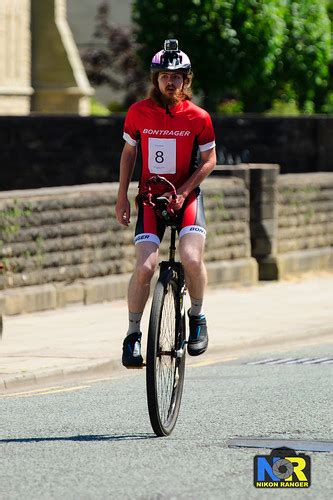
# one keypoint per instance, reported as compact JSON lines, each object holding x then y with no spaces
{"x":292,"y":361}
{"x":296,"y":444}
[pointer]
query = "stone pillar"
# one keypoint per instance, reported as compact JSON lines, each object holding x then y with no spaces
{"x":264,"y":218}
{"x":261,"y":182}
{"x":15,"y":57}
{"x":58,"y":77}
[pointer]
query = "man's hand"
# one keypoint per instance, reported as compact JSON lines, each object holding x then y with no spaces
{"x":176,"y":203}
{"x":123,"y":211}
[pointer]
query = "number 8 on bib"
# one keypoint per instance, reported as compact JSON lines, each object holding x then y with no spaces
{"x":162,"y":156}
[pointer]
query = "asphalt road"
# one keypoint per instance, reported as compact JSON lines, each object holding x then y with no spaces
{"x":92,"y":439}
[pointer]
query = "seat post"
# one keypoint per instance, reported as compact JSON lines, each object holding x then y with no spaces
{"x":172,"y":248}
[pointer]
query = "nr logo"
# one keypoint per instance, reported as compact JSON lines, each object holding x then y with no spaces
{"x":283,"y":468}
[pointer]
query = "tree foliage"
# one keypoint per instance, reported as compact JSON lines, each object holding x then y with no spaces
{"x":233,"y":45}
{"x":304,"y":66}
{"x":249,"y":49}
{"x":251,"y":52}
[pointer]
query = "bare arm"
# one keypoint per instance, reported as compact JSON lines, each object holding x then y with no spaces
{"x":127,"y":163}
{"x":207,"y":165}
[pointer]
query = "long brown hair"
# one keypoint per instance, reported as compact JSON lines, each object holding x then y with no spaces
{"x":184,"y":95}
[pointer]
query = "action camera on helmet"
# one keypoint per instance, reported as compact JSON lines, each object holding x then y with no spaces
{"x":171,"y":45}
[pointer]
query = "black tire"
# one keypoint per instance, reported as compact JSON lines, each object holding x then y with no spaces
{"x":165,"y":372}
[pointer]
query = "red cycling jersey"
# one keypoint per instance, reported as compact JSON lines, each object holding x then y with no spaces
{"x":169,"y":138}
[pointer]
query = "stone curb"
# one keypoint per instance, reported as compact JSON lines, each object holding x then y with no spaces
{"x":95,"y":290}
{"x":115,"y":366}
{"x":43,"y":376}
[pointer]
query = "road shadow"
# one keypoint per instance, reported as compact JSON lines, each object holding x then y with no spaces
{"x":83,"y":438}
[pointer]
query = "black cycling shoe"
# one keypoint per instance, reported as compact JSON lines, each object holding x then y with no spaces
{"x":132,"y":351}
{"x":198,"y":339}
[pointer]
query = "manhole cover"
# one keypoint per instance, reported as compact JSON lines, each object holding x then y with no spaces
{"x":297,"y":444}
{"x":292,"y":361}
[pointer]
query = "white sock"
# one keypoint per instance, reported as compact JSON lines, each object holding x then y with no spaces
{"x":196,"y":307}
{"x":134,"y":322}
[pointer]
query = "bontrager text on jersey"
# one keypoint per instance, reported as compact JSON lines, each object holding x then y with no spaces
{"x":166,"y":132}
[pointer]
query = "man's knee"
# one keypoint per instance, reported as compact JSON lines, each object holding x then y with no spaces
{"x":146,"y":265}
{"x":191,"y":253}
{"x":192,"y":264}
{"x":192,"y":260}
{"x":145,"y":272}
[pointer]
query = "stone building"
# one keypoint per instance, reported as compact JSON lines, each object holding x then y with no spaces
{"x":40,"y":67}
{"x":15,"y":57}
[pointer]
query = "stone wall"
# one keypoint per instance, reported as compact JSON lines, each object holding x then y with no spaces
{"x":300,"y":235}
{"x":67,"y":237}
{"x":291,"y":219}
{"x":63,"y":245}
{"x":61,"y":237}
{"x":305,"y":212}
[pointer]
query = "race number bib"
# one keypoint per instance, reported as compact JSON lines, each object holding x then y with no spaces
{"x":162,"y":156}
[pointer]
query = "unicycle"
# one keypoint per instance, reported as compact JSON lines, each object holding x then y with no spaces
{"x":166,"y":345}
